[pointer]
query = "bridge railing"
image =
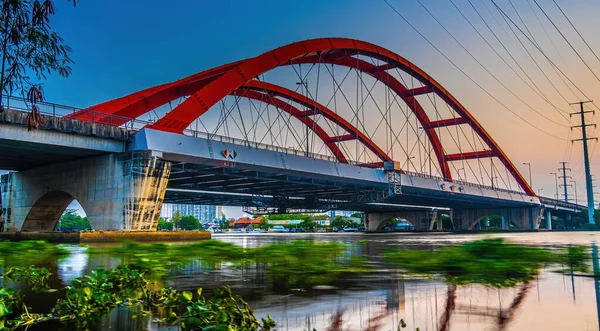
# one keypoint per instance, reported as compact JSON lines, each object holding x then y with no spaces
{"x":244,"y":142}
{"x":461,"y":182}
{"x":58,"y":111}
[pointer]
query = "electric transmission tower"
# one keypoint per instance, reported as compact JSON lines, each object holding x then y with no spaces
{"x":586,"y":157}
{"x":564,"y":177}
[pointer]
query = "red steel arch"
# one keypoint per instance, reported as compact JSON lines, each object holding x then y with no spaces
{"x":207,"y":88}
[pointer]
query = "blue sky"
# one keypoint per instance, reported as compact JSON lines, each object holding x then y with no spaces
{"x":120,"y":47}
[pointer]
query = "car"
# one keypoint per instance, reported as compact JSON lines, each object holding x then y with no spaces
{"x":278,"y":229}
{"x":349,"y":229}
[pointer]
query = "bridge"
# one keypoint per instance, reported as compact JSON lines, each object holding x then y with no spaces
{"x":121,"y":160}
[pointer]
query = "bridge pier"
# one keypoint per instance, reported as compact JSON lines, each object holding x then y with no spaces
{"x":117,"y":192}
{"x":548,"y":219}
{"x":523,"y":218}
{"x":376,"y":221}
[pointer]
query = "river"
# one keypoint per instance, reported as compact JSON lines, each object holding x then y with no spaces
{"x":379,"y":300}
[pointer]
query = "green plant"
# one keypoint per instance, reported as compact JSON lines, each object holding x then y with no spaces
{"x":188,"y":223}
{"x":24,"y":253}
{"x":223,"y":312}
{"x":36,"y":278}
{"x":491,"y":262}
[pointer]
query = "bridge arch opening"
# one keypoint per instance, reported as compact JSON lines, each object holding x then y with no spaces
{"x":492,"y":222}
{"x":396,"y":224}
{"x":46,"y":212}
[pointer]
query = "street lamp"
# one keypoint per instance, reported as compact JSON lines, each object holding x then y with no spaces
{"x":528,"y":164}
{"x":556,"y":182}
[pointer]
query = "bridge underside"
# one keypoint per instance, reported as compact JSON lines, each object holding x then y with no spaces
{"x":58,"y":140}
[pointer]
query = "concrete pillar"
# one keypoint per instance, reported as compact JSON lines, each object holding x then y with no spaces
{"x":116,"y":191}
{"x":505,"y":225}
{"x":548,"y":219}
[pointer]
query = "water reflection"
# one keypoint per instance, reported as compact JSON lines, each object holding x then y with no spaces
{"x":74,"y":265}
{"x":380,"y":300}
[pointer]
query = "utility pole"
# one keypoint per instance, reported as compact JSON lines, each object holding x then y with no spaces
{"x":564,"y":177}
{"x":586,"y":158}
{"x":556,"y":182}
{"x":575,"y":188}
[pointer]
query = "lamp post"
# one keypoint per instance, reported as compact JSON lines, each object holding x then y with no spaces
{"x":528,"y":164}
{"x":556,"y":182}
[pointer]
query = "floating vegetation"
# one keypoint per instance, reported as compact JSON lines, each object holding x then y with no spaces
{"x":307,"y":262}
{"x":296,"y":263}
{"x":89,"y":299}
{"x":28,"y":252}
{"x":490,"y":262}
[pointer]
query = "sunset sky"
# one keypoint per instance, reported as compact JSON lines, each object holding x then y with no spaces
{"x":120,"y":47}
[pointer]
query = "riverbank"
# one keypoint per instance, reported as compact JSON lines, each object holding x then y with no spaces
{"x":106,"y":236}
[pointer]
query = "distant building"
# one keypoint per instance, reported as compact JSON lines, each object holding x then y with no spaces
{"x":203,"y":213}
{"x":244,"y":222}
{"x":333,"y":213}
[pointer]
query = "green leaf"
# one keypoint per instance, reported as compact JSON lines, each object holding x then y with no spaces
{"x":187,"y":295}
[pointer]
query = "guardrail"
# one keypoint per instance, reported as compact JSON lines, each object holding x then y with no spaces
{"x":460,"y":182}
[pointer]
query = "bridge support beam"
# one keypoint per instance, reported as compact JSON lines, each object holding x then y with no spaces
{"x":117,"y":192}
{"x":523,"y":218}
{"x":375,"y":221}
{"x":548,"y":219}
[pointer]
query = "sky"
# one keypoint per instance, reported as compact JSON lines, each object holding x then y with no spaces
{"x":120,"y":47}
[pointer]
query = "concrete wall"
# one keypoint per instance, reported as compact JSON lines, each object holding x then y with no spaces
{"x":117,"y":192}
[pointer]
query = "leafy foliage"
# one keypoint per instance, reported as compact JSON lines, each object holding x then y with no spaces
{"x":164,"y":225}
{"x":176,"y":217}
{"x":188,"y":223}
{"x":30,"y":46}
{"x":222,"y":312}
{"x":87,"y":300}
{"x":71,"y":221}
{"x":341,"y":222}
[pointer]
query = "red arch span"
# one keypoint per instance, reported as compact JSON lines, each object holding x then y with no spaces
{"x":208,"y":87}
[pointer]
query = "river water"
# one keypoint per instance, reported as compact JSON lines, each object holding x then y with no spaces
{"x":381,"y":299}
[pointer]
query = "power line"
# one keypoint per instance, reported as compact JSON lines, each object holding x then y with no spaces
{"x":540,"y":93}
{"x":555,"y":48}
{"x":486,"y":69}
{"x":567,"y":40}
{"x":469,"y":77}
{"x":574,"y":28}
{"x":540,"y":50}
